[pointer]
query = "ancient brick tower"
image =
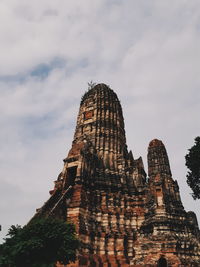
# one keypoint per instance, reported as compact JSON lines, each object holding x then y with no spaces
{"x":122,"y":218}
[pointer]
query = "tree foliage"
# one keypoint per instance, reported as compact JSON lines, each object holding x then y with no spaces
{"x":41,"y":243}
{"x":193,"y":164}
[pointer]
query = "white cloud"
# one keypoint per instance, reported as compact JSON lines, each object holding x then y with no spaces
{"x":147,"y":51}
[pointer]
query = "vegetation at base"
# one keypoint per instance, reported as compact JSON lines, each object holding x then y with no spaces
{"x":41,"y":243}
{"x":193,"y":164}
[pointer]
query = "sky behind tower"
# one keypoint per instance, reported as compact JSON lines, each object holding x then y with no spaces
{"x":146,"y":51}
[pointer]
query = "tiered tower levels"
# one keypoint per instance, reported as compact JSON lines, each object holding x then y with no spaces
{"x":121,"y":217}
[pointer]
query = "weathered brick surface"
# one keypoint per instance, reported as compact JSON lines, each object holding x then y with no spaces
{"x":121,"y":218}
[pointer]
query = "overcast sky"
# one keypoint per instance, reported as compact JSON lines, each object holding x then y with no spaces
{"x":148,"y":52}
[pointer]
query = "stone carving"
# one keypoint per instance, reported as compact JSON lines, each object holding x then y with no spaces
{"x":121,"y":218}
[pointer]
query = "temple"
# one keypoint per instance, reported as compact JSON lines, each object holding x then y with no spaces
{"x":122,"y":217}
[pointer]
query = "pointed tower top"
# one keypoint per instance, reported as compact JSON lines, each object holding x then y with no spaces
{"x":158,"y":162}
{"x":97,"y":88}
{"x":155,"y":143}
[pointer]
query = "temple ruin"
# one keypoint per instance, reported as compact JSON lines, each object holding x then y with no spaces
{"x":122,"y":217}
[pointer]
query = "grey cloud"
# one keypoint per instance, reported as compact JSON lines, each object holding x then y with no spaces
{"x":42,"y":70}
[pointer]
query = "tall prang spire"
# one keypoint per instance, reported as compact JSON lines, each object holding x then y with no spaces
{"x":100,"y":120}
{"x":99,"y":151}
{"x":100,"y":128}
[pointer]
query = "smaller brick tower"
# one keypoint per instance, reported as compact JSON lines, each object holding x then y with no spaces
{"x":121,"y":217}
{"x":167,"y":230}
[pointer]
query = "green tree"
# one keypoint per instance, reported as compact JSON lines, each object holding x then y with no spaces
{"x":193,"y":164}
{"x":41,"y":243}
